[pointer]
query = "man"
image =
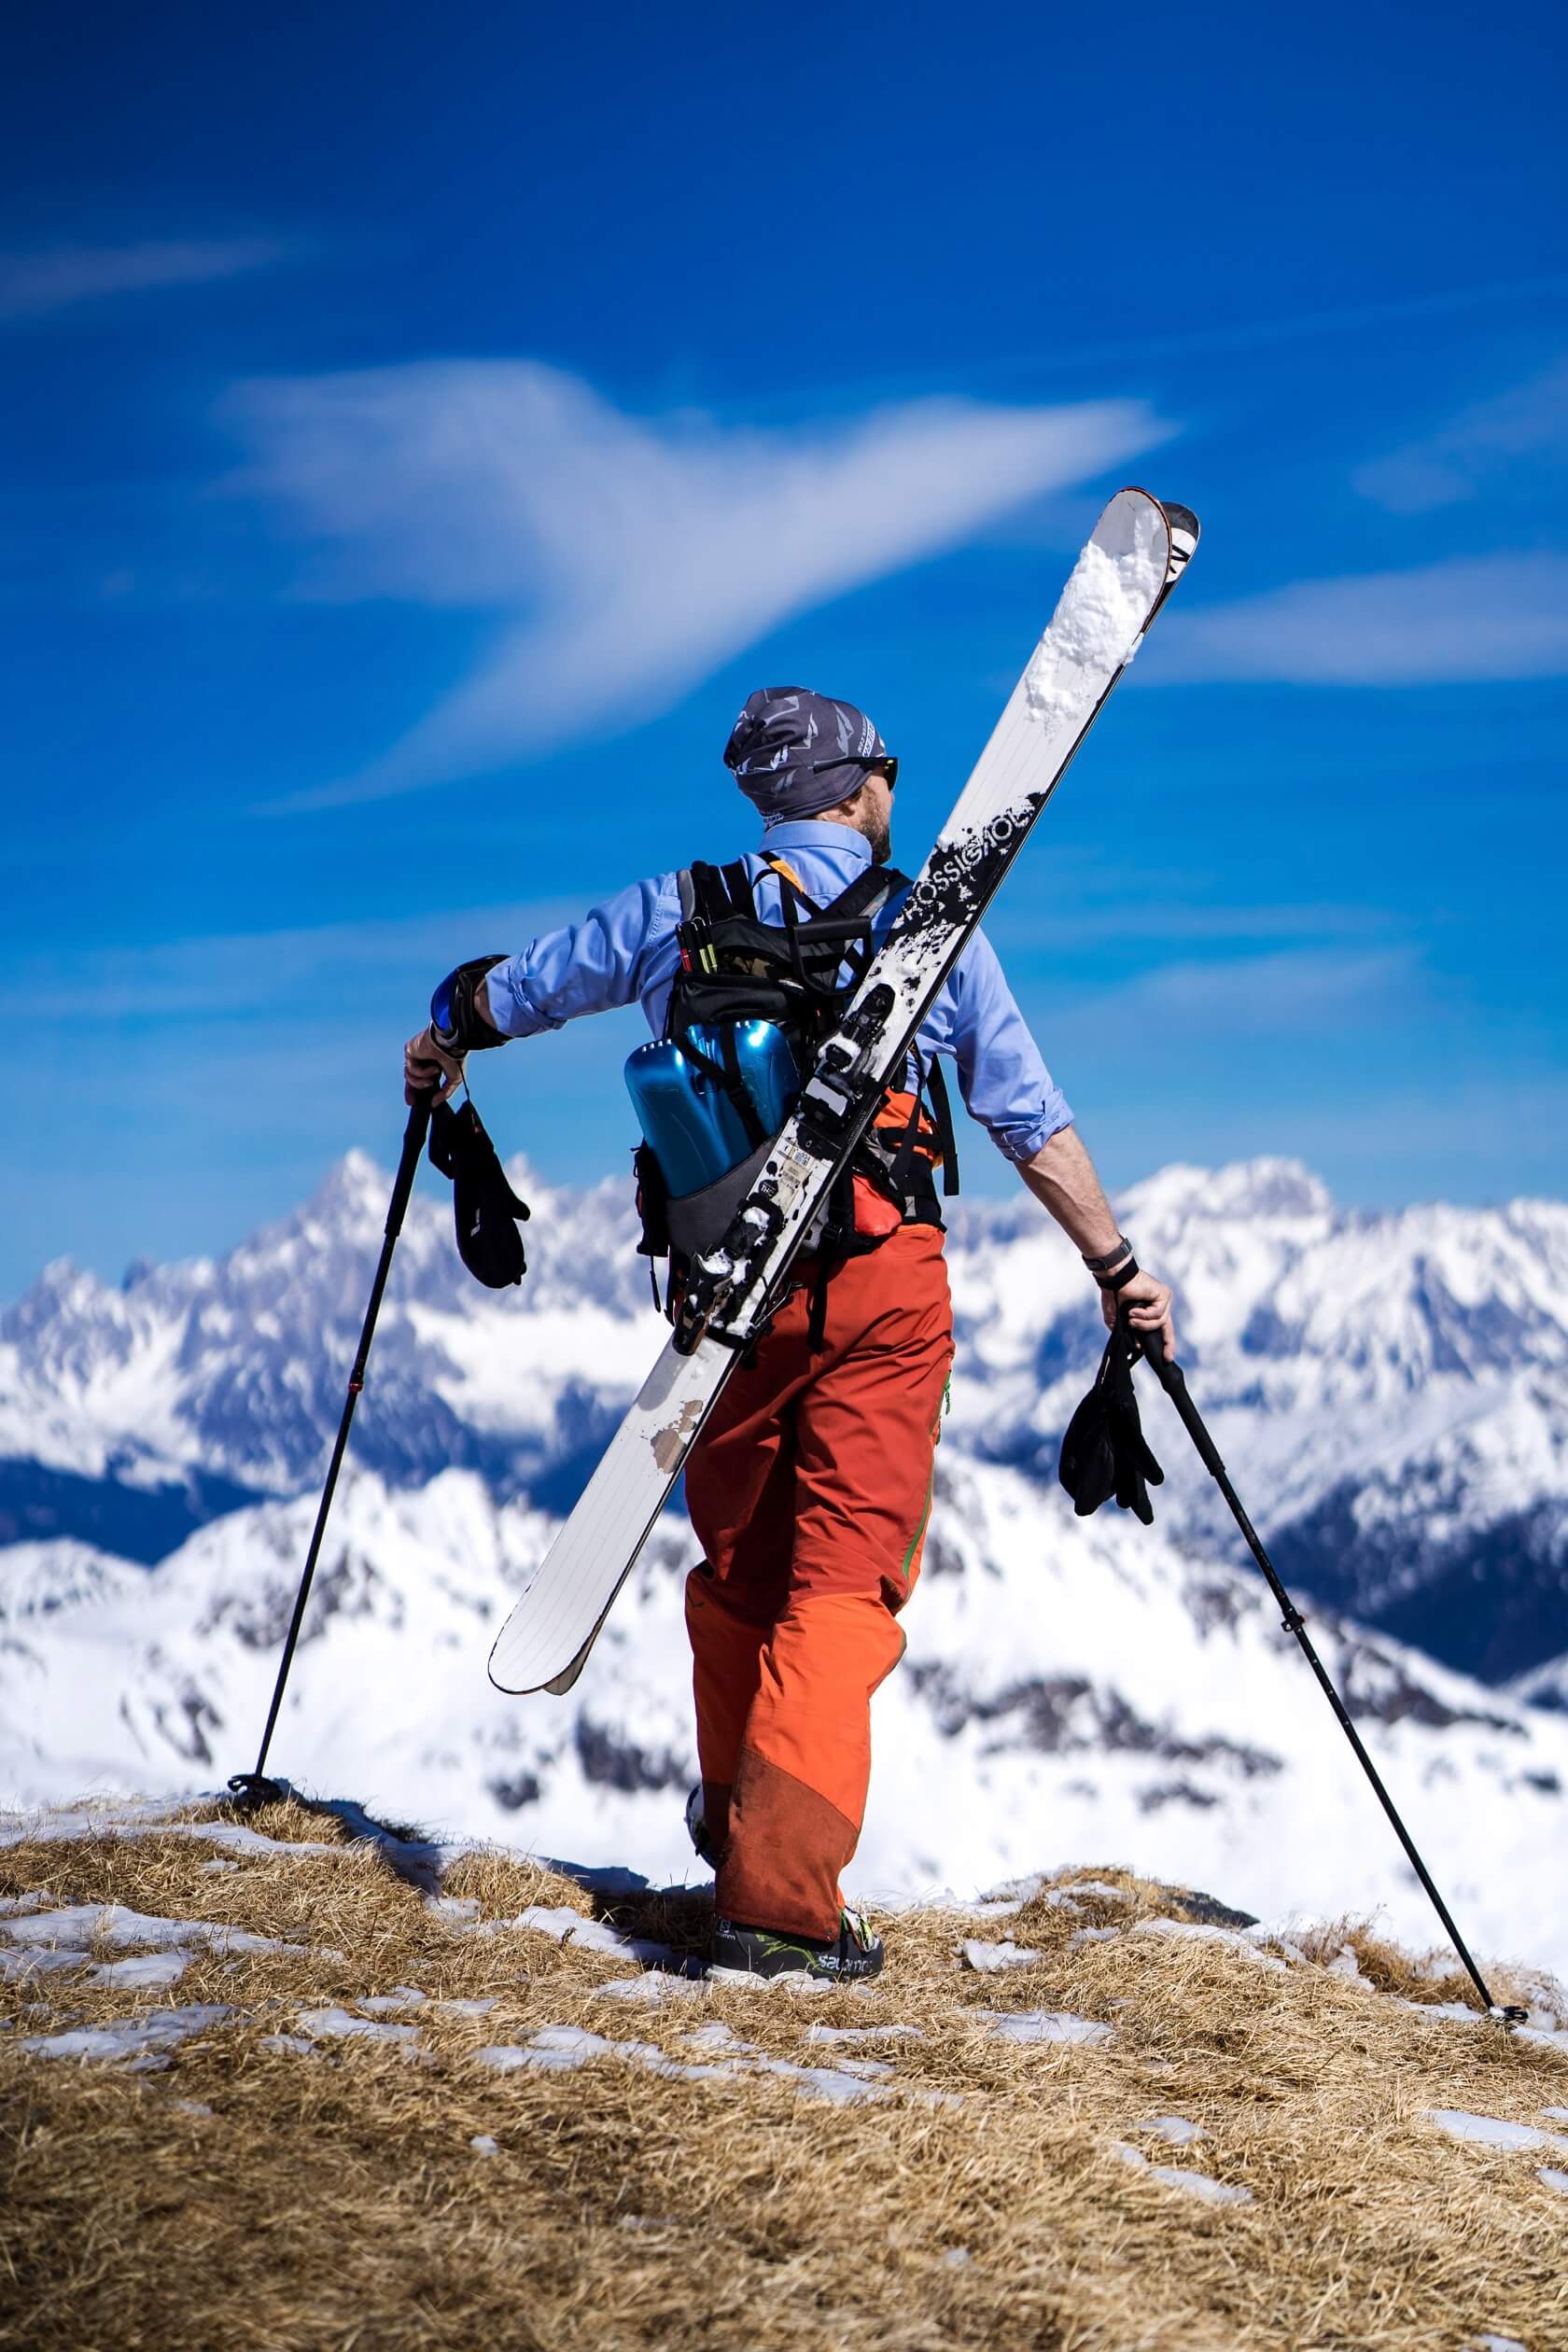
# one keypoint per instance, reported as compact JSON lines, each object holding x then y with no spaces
{"x":810,"y":1487}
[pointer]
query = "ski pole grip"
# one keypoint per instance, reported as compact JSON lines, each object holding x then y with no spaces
{"x":1173,"y":1380}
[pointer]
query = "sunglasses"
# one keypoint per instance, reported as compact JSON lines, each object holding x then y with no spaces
{"x":888,"y":766}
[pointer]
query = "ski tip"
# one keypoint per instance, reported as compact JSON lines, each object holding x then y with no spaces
{"x":510,"y":1689}
{"x":1181,"y":527}
{"x":502,"y":1671}
{"x":504,"y":1665}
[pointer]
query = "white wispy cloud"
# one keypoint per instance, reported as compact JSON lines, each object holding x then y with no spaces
{"x":213,"y":979}
{"x":1475,"y":618}
{"x":1290,"y":992}
{"x":1529,"y":421}
{"x":34,"y":284}
{"x":627,"y":557}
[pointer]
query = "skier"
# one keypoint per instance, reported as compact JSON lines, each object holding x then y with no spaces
{"x":810,"y":1486}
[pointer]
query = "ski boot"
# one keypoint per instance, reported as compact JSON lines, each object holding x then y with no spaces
{"x":847,"y":1958}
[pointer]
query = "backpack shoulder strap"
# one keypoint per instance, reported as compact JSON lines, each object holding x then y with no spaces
{"x":869,"y":893}
{"x":713,"y":893}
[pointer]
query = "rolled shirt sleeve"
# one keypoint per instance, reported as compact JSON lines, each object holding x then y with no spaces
{"x":587,"y":967}
{"x":1005,"y":1083}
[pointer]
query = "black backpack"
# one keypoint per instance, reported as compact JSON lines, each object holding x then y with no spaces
{"x":799,"y":974}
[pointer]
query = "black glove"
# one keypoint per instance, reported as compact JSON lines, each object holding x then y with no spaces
{"x":1103,"y":1452}
{"x":485,"y":1208}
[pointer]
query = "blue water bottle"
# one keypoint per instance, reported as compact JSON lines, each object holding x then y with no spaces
{"x":689,"y":1119}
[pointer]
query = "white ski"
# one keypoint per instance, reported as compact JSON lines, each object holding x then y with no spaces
{"x":1137,"y":552}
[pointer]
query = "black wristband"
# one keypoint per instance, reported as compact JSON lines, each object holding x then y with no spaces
{"x":1098,"y":1266}
{"x":455,"y":1025}
{"x":1122,"y":1277}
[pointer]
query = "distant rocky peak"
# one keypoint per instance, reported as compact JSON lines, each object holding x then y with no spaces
{"x":1263,"y":1188}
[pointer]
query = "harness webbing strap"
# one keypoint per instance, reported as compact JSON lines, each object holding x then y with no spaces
{"x":941,"y":1114}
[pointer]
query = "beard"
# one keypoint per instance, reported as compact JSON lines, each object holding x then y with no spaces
{"x":881,"y":839}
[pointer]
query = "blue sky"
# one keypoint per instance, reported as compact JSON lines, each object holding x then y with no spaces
{"x":423,"y":432}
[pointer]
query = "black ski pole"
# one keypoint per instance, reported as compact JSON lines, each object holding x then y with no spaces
{"x":1173,"y":1382}
{"x":254,"y":1789}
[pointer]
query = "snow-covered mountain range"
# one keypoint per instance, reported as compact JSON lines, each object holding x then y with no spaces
{"x":1390,"y":1394}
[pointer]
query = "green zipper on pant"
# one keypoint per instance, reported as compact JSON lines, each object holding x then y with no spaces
{"x":915,"y":1539}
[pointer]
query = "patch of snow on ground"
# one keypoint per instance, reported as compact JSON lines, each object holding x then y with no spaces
{"x":565,"y":1926}
{"x":651,"y":1990}
{"x":1192,"y":2184}
{"x":17,"y":1966}
{"x":820,"y":2082}
{"x":482,"y":2145}
{"x":863,"y":2033}
{"x":1189,"y":1931}
{"x":1173,"y":2128}
{"x":162,"y":2029}
{"x":291,"y":2046}
{"x":1490,"y":2131}
{"x":1014,"y":1891}
{"x":793,"y":1985}
{"x":341,"y":2024}
{"x":987,"y":1957}
{"x":1044,"y":2026}
{"x":151,"y":1821}
{"x":1550,"y":2177}
{"x":114,"y":1924}
{"x":401,"y":1997}
{"x":716,"y":2034}
{"x":145,"y":1969}
{"x":568,"y":2047}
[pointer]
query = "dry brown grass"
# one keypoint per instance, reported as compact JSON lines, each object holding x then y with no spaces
{"x":337,"y":2202}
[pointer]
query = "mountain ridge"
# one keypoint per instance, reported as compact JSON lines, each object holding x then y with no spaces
{"x":1390,"y":1394}
{"x":1392,"y":1389}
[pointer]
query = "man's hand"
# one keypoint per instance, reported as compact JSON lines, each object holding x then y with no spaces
{"x":426,"y":1066}
{"x":1147,"y":1303}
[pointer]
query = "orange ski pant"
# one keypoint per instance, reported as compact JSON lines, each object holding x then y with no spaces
{"x":810,"y":1492}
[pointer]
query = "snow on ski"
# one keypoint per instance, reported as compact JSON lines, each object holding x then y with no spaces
{"x":1138,"y":551}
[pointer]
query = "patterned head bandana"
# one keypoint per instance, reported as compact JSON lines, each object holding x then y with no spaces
{"x":794,"y":753}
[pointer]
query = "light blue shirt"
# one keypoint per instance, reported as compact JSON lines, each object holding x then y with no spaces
{"x":625,"y":952}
